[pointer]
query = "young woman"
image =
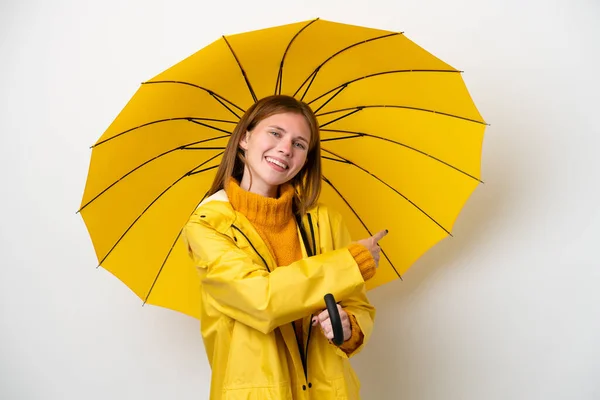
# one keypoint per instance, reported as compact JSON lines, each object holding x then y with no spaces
{"x":267,"y":253}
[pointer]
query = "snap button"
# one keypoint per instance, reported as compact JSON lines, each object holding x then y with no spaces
{"x":303,"y":387}
{"x":309,"y":385}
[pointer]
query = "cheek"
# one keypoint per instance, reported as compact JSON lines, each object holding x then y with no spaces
{"x":302,"y":161}
{"x":305,"y":158}
{"x":264,"y":143}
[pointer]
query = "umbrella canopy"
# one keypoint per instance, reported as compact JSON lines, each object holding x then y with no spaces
{"x":401,"y":146}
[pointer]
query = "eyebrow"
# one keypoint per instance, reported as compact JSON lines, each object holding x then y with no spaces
{"x":284,"y":131}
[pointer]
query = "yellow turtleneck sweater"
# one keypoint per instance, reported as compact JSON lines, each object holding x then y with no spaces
{"x":274,"y":220}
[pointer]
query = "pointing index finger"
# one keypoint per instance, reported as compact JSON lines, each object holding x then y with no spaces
{"x":380,"y":235}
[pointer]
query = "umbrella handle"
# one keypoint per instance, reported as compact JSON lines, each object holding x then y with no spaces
{"x":336,"y":321}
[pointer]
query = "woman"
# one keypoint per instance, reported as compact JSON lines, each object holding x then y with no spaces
{"x":267,"y":254}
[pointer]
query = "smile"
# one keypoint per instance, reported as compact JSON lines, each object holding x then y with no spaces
{"x":277,"y":162}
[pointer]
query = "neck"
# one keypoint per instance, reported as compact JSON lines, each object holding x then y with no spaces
{"x":263,"y":190}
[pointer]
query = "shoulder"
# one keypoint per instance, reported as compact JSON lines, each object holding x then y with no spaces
{"x":322,"y":210}
{"x":220,"y":196}
{"x":330,"y":225}
{"x":214,"y":211}
{"x":327,"y":217}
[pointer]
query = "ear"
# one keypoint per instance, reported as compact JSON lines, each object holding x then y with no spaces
{"x":244,"y":141}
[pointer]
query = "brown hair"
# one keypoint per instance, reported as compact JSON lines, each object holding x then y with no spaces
{"x":307,"y":182}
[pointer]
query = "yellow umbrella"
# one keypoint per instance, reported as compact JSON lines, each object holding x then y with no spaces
{"x":401,"y":144}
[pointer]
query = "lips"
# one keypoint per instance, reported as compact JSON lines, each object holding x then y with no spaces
{"x":277,"y":162}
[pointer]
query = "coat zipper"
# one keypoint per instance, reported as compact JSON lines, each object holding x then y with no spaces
{"x":254,"y":248}
{"x":309,"y":251}
{"x":312,"y":234}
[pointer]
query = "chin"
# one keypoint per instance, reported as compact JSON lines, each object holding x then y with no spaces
{"x":275,"y":180}
{"x":278,"y":182}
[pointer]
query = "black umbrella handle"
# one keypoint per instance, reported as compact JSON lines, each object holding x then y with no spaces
{"x":336,"y":321}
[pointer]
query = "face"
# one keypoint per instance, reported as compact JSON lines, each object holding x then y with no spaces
{"x":276,"y":151}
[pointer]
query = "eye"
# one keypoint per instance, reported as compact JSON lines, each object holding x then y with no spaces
{"x":300,"y":145}
{"x":275,"y":133}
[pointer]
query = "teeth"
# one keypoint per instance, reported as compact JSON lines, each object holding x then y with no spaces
{"x":271,"y":160}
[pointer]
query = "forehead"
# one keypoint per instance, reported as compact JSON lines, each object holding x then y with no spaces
{"x":288,"y":122}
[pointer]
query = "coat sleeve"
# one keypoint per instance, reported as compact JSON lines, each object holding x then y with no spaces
{"x":245,"y":291}
{"x":358,"y":304}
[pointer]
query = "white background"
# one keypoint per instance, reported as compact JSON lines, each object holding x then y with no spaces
{"x":507,"y":309}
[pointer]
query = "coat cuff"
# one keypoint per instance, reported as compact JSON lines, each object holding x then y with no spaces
{"x":356,"y":339}
{"x":364,"y":259}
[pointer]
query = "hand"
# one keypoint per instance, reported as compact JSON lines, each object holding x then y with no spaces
{"x":373,"y":246}
{"x":325,"y":322}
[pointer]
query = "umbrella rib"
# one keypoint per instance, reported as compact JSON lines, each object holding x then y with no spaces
{"x":357,"y":135}
{"x":168,"y":255}
{"x":189,"y":119}
{"x":205,"y":169}
{"x":397,"y":71}
{"x":359,"y":108}
{"x":210,"y":126}
{"x":216,"y":96}
{"x":241,"y":69}
{"x":279,"y":82}
{"x":361,"y":134}
{"x":161,"y":267}
{"x":225,"y":105}
{"x":346,"y":161}
{"x":360,"y":220}
{"x":331,"y":98}
{"x":204,"y":148}
{"x":337,"y":119}
{"x":189,"y":173}
{"x":183,"y":147}
{"x":313,"y":74}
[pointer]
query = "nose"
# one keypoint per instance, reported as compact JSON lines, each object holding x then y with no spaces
{"x":285,"y":147}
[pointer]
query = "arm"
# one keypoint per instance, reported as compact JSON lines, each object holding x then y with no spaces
{"x":362,"y":316}
{"x":247,"y":292}
{"x":360,"y":311}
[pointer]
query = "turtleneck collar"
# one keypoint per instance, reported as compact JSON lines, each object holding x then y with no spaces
{"x":261,"y":210}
